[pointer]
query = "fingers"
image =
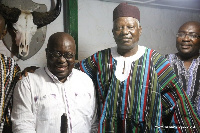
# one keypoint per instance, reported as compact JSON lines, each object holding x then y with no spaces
{"x":19,"y":76}
{"x":30,"y":69}
{"x":25,"y":73}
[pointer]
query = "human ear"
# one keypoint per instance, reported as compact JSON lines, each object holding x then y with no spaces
{"x":140,"y":30}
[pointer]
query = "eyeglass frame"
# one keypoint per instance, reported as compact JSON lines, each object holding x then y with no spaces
{"x":60,"y":55}
{"x":190,"y":35}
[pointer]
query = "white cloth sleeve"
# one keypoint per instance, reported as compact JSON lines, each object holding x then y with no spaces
{"x":22,"y":116}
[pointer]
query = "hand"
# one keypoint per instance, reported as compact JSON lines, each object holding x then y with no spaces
{"x":30,"y":69}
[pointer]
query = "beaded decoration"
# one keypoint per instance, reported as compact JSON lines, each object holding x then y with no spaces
{"x":8,"y":79}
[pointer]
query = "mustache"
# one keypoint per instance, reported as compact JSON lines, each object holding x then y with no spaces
{"x":125,"y":37}
{"x":122,"y":38}
{"x":61,"y":65}
{"x":186,"y":45}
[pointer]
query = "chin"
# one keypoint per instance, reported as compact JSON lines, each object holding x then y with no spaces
{"x":60,"y":74}
{"x":125,"y":47}
{"x":186,"y":52}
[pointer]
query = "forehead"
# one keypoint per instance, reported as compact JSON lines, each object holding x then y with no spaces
{"x":126,"y":20}
{"x":62,"y":44}
{"x":190,"y":27}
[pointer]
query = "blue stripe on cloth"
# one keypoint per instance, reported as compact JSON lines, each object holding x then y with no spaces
{"x":144,"y":83}
{"x":99,"y":84}
{"x":103,"y":114}
{"x":161,"y":67}
{"x":83,"y":66}
{"x":169,"y":98}
{"x":123,"y":98}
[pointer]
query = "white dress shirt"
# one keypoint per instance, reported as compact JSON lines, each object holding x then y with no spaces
{"x":40,"y":99}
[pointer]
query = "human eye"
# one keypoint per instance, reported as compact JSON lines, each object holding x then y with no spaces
{"x":69,"y":55}
{"x":118,"y":28}
{"x":56,"y":54}
{"x":193,"y":35}
{"x":180,"y":34}
{"x":131,"y":27}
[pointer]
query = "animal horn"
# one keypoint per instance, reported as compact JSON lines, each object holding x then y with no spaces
{"x":41,"y":19}
{"x":10,"y":14}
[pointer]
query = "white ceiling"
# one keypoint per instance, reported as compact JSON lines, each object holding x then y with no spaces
{"x":176,"y":4}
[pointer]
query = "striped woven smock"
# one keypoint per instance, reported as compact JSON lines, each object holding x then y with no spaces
{"x":188,"y":78}
{"x":138,"y":103}
{"x":8,"y":72}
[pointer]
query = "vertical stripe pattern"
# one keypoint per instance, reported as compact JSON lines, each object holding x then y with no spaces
{"x":138,"y":104}
{"x":8,"y":78}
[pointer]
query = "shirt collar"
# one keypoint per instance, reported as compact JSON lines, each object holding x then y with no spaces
{"x":139,"y":53}
{"x":53,"y":77}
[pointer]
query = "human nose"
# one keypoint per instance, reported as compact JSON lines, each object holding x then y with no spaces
{"x":125,"y":30}
{"x":186,"y":37}
{"x":62,"y":59}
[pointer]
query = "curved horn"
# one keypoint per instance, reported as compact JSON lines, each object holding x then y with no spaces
{"x":41,"y":19}
{"x":10,"y":14}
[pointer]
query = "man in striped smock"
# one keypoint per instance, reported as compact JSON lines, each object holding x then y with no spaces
{"x":137,"y":89}
{"x":8,"y":79}
{"x":186,"y":62}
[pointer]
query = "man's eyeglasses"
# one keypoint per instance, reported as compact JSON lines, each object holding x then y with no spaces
{"x":57,"y":54}
{"x":190,"y":35}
